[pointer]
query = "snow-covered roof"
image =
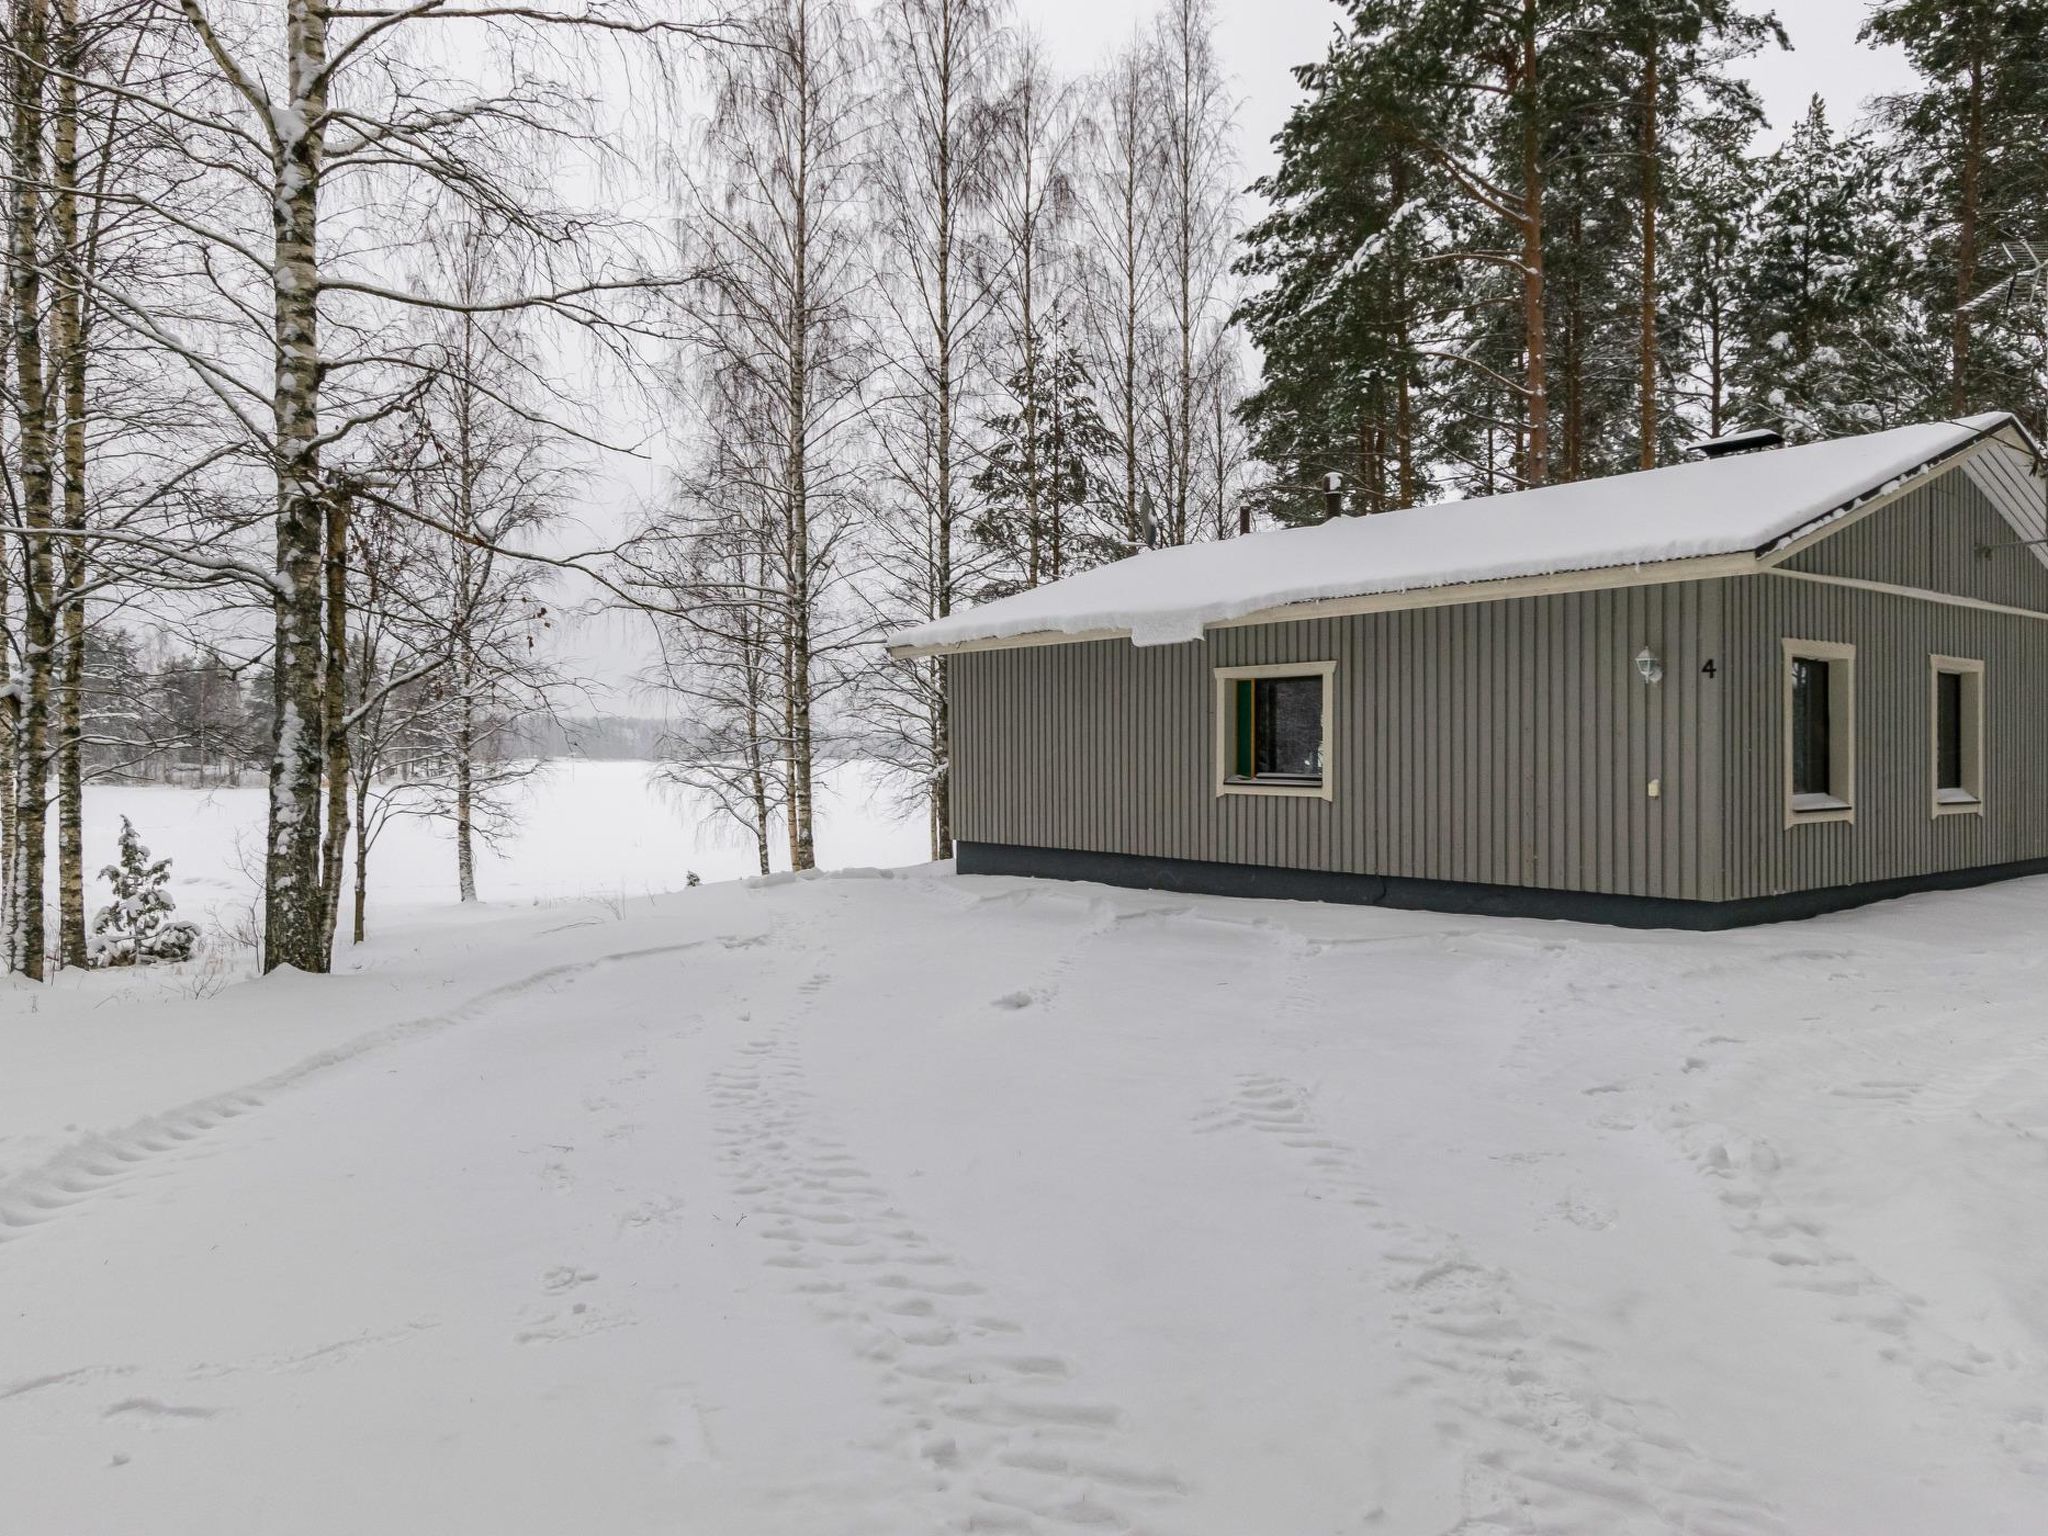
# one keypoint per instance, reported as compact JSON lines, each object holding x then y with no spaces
{"x":1738,"y":505}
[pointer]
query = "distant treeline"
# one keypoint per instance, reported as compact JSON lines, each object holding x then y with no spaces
{"x":602,"y":738}
{"x":156,"y":713}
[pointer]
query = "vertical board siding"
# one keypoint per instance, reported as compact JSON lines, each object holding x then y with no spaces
{"x":1894,"y":832}
{"x":1507,"y":743}
{"x":1932,"y":539}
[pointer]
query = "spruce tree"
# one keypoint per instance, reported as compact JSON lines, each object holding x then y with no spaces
{"x":136,"y":927}
{"x":1035,"y":509}
{"x":1827,"y":346}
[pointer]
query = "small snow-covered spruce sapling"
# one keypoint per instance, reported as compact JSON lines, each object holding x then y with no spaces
{"x":136,"y":927}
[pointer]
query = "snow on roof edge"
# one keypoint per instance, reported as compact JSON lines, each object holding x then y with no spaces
{"x":1124,"y":606}
{"x":1983,"y":425}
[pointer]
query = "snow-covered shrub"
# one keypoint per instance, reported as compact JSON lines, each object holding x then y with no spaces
{"x":136,"y":927}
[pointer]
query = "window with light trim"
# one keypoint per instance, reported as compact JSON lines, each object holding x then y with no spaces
{"x":1273,"y":729}
{"x":1955,"y":749}
{"x":1820,"y":731}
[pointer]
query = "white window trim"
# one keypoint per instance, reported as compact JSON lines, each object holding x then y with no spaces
{"x":1947,"y":802}
{"x":1840,"y":803}
{"x":1225,"y":676}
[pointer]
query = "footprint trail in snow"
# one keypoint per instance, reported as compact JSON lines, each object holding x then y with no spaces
{"x":1002,"y":1438}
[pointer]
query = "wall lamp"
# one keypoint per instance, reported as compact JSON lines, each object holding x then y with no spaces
{"x":1648,"y":667}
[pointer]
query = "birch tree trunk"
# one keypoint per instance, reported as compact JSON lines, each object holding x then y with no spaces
{"x":358,"y":925}
{"x":465,"y":778}
{"x":334,"y":714}
{"x":797,"y":507}
{"x":757,"y":769}
{"x":27,"y":935}
{"x":68,"y":315}
{"x":295,"y":907}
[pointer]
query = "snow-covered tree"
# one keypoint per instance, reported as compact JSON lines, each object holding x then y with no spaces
{"x":1825,"y":349}
{"x":137,"y":926}
{"x":1037,"y":479}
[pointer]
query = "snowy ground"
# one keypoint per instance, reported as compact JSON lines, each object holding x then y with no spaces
{"x":884,"y":1206}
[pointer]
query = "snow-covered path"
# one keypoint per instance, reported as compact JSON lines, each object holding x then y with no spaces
{"x":912,"y":1204}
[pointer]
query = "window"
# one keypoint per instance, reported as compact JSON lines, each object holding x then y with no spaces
{"x":1955,"y":712}
{"x":1273,"y":729}
{"x":1811,"y":773}
{"x":1820,"y":731}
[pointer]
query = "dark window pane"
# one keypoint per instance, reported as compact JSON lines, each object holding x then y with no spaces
{"x":1812,"y":771}
{"x":1948,"y":730}
{"x":1287,"y":720}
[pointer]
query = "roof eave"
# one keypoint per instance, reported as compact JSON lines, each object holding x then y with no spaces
{"x":1493,"y":589}
{"x":1592,"y":578}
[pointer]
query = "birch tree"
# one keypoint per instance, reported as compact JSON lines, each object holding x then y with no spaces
{"x":1198,"y":228}
{"x":776,"y":342}
{"x":1035,"y":140}
{"x":334,"y":132}
{"x":29,"y":57}
{"x":494,"y":467}
{"x":1123,"y":239}
{"x":713,"y":553}
{"x":938,"y":282}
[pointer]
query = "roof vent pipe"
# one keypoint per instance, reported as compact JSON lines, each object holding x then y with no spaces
{"x":1753,"y":441}
{"x":1333,"y":494}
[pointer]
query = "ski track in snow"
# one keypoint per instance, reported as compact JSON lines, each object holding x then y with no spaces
{"x":94,"y":1167}
{"x":1001,"y":1439}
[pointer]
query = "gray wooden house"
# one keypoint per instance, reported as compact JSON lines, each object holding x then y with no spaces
{"x":1761,"y":685}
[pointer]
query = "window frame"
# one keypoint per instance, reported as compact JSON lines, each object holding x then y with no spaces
{"x":1839,"y":804}
{"x":1969,"y":801}
{"x":1225,"y":678}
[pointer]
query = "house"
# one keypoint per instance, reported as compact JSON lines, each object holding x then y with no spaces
{"x":1763,"y":685}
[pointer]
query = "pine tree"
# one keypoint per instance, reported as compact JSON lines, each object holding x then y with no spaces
{"x":1594,"y":261}
{"x":1689,"y":117}
{"x":1464,"y":273}
{"x":1974,"y":136}
{"x":136,"y":927}
{"x":1340,"y":281}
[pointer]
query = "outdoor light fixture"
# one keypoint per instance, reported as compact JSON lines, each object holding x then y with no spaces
{"x":1648,"y":667}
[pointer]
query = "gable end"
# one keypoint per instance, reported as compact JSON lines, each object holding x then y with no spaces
{"x":1961,"y":532}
